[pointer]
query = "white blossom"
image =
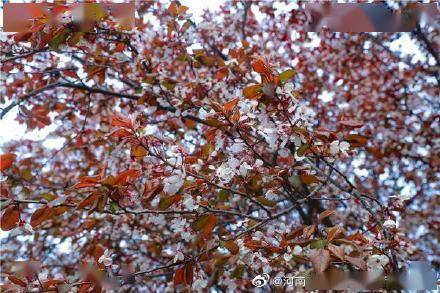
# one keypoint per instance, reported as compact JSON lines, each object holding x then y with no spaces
{"x":337,"y":146}
{"x":377,"y":261}
{"x":106,"y":258}
{"x":244,"y":168}
{"x":297,"y":250}
{"x":189,"y":203}
{"x":173,"y":183}
{"x":389,"y":223}
{"x":225,"y":173}
{"x":179,"y":255}
{"x":28,"y":228}
{"x":199,"y":285}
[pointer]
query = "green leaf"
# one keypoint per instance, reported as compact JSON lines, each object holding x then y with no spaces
{"x":302,"y":150}
{"x":286,"y":75}
{"x":200,"y":222}
{"x":318,"y":244}
{"x":55,"y":43}
{"x":223,"y":195}
{"x":266,"y":202}
{"x":165,"y":202}
{"x":26,"y":174}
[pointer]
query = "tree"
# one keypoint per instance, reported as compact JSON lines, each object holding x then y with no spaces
{"x":201,"y":155}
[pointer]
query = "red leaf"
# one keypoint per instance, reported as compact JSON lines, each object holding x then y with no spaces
{"x":70,"y":73}
{"x":351,"y":123}
{"x":209,"y":225}
{"x":120,"y":121}
{"x":253,"y":244}
{"x":259,"y":66}
{"x":334,"y":232}
{"x":89,"y":200}
{"x":179,"y":276}
{"x":308,"y":179}
{"x":184,"y":275}
{"x":98,"y":252}
{"x":87,"y":181}
{"x":320,"y":259}
{"x":83,"y":185}
{"x":325,"y":214}
{"x":338,"y":251}
{"x":6,"y":161}
{"x":39,"y":216}
{"x":356,"y":140}
{"x":231,"y":246}
{"x":229,"y":106}
{"x":189,"y":274}
{"x":22,"y":37}
{"x":123,"y":177}
{"x":10,"y":218}
{"x":17,"y":281}
{"x":172,"y":9}
{"x":359,"y":262}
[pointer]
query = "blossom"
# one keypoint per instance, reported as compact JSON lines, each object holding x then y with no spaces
{"x":179,"y":255}
{"x":189,"y":203}
{"x":106,"y":258}
{"x":178,"y":225}
{"x":158,"y":219}
{"x":337,"y":146}
{"x":271,"y":195}
{"x":244,"y":168}
{"x":173,"y":183}
{"x":225,"y":173}
{"x":28,"y":228}
{"x":288,"y":255}
{"x":199,"y":285}
{"x":389,"y":224}
{"x":187,"y":235}
{"x":377,"y":261}
{"x":297,"y":250}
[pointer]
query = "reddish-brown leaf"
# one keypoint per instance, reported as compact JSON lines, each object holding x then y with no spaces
{"x":351,"y":123}
{"x":308,"y":178}
{"x":253,"y":244}
{"x":184,"y":275}
{"x":121,"y":121}
{"x":209,"y":225}
{"x":17,"y":281}
{"x":359,"y":262}
{"x":335,"y":232}
{"x":229,"y":106}
{"x":22,"y":37}
{"x":89,"y":200}
{"x":338,"y":251}
{"x":179,"y":276}
{"x":325,"y":214}
{"x":83,"y":185}
{"x":222,"y":73}
{"x":127,"y":175}
{"x":320,"y":259}
{"x":52,"y":283}
{"x":253,"y":91}
{"x":172,"y":9}
{"x":189,"y":274}
{"x":6,"y":161}
{"x":259,"y":66}
{"x":98,"y":252}
{"x":356,"y":140}
{"x":39,"y":216}
{"x":10,"y":218}
{"x":231,"y":246}
{"x":308,"y":231}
